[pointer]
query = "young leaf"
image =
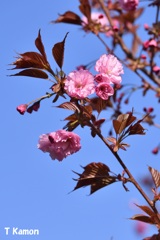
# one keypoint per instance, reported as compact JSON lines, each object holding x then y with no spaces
{"x":40,"y":46}
{"x":69,"y":17}
{"x":85,"y":8}
{"x":123,"y":121}
{"x":58,"y":52}
{"x":30,"y":60}
{"x":143,"y":218}
{"x":146,"y":209}
{"x":32,"y":72}
{"x":96,"y":175}
{"x":155,"y":175}
{"x":99,"y":104}
{"x":69,"y":106}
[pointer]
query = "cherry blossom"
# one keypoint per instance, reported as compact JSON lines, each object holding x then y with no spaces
{"x":110,"y":67}
{"x":79,"y":84}
{"x":98,"y":17}
{"x":59,"y":144}
{"x":104,"y":90}
{"x":129,"y":5}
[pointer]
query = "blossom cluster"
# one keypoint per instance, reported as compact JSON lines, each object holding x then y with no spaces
{"x":81,"y":83}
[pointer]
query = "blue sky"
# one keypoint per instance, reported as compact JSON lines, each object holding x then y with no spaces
{"x":34,"y":189}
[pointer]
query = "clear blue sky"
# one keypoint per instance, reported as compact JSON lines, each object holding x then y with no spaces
{"x":34,"y":189}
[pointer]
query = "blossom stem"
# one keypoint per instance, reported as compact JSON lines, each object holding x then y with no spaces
{"x":131,"y":178}
{"x":103,"y":42}
{"x":48,"y":95}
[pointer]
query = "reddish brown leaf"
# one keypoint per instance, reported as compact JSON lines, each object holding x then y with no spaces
{"x":71,"y":117}
{"x":58,"y":52}
{"x":143,"y":218}
{"x":30,"y":60}
{"x":146,"y":209}
{"x":96,"y":175}
{"x":85,"y":8}
{"x":123,"y":121}
{"x":40,"y":46}
{"x":69,"y":106}
{"x":129,"y":16}
{"x":153,"y":237}
{"x":99,"y":104}
{"x":136,"y":129}
{"x":155,"y":175}
{"x":32,"y":73}
{"x":87,"y":111}
{"x":69,"y":17}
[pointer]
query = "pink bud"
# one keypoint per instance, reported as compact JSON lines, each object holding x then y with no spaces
{"x":155,"y":150}
{"x":150,"y":109}
{"x":156,"y":69}
{"x":141,"y":227}
{"x":22,"y":108}
{"x":143,"y":56}
{"x":152,"y":43}
{"x":146,"y":26}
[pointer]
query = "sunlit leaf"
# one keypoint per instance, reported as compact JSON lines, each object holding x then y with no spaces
{"x":123,"y":121}
{"x":69,"y":106}
{"x":155,"y":175}
{"x":146,"y":209}
{"x":96,"y":175}
{"x":58,"y":52}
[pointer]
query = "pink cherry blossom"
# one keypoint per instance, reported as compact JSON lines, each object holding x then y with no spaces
{"x":98,"y":17}
{"x":110,"y":67}
{"x":101,"y":78}
{"x":129,"y":5}
{"x":22,"y":108}
{"x":149,"y":43}
{"x":79,"y":84}
{"x":101,"y":20}
{"x":59,"y":144}
{"x":104,"y":90}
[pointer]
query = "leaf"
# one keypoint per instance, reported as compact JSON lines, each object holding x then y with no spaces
{"x":31,"y":60}
{"x":40,"y":46}
{"x":123,"y":121}
{"x":155,"y":175}
{"x":136,"y":128}
{"x":69,"y":17}
{"x":99,"y":104}
{"x":85,"y":8}
{"x":58,"y":52}
{"x":87,"y":111}
{"x":143,"y":218}
{"x":32,"y":73}
{"x":146,"y":209}
{"x":69,"y":106}
{"x":96,"y":175}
